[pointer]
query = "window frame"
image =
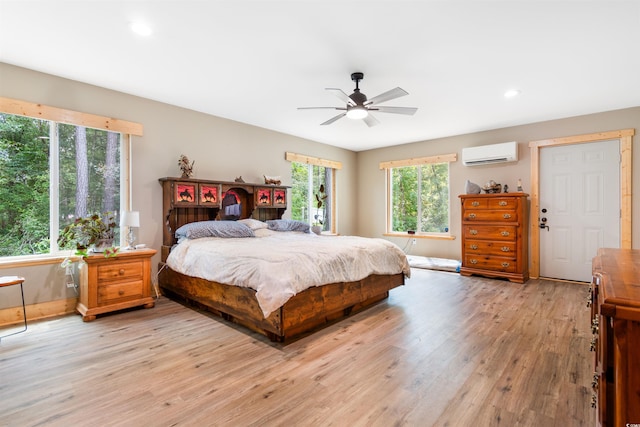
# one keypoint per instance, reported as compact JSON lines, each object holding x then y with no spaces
{"x":331,"y":164}
{"x":126,"y":129}
{"x":388,"y":166}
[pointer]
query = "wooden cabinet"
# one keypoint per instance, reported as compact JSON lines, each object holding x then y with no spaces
{"x":115,"y":283}
{"x":615,"y":323}
{"x":494,"y":235}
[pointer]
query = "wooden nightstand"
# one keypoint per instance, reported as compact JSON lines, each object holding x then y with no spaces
{"x":115,"y":283}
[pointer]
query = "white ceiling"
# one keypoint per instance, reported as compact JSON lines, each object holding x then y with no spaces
{"x":257,"y":61}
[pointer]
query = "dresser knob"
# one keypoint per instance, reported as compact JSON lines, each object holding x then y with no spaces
{"x":474,"y":232}
{"x":505,"y":264}
{"x":475,"y":203}
{"x":502,"y":203}
{"x":121,"y":272}
{"x":506,"y":216}
{"x":505,"y":233}
{"x":473,"y":261}
{"x":472,"y":215}
{"x":505,"y":249}
{"x":474,"y":246}
{"x":120,"y":292}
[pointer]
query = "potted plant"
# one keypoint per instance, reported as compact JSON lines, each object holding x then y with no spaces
{"x":95,"y":232}
{"x":321,"y":197}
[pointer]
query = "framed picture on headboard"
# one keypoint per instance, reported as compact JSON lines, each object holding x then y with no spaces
{"x":185,"y":193}
{"x":208,"y":195}
{"x":263,"y":197}
{"x":280,"y":197}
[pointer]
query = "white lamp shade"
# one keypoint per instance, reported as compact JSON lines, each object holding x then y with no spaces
{"x":130,"y":219}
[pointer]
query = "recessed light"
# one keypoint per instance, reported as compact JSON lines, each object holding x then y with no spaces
{"x":511,"y":93}
{"x":141,"y":29}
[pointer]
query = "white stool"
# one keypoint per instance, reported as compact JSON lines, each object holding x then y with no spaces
{"x":10,"y":281}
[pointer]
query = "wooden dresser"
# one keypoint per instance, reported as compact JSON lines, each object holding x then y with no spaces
{"x":614,"y":299}
{"x":494,"y":235}
{"x":115,"y":283}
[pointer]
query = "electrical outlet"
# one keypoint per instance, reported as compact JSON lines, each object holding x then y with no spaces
{"x":414,"y":241}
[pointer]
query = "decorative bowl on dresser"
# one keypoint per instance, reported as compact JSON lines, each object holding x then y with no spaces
{"x":494,"y":235}
{"x":114,"y":283}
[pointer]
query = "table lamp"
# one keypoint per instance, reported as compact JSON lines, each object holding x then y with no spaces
{"x":130,"y":219}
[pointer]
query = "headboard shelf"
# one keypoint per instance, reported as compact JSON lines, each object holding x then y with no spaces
{"x":186,"y":200}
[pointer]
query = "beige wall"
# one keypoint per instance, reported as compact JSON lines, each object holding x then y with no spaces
{"x":371,"y":220}
{"x":222,"y":149}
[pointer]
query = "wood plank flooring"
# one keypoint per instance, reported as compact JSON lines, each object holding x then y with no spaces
{"x":444,"y":350}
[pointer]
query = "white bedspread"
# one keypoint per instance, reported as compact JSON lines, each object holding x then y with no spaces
{"x":281,"y":264}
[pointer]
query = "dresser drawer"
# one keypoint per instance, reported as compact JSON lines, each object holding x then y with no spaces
{"x":502,"y":203}
{"x":120,"y":291}
{"x":490,"y":232}
{"x":120,"y":270}
{"x":490,"y":215}
{"x":475,"y":203}
{"x":507,"y":265}
{"x":483,"y":247}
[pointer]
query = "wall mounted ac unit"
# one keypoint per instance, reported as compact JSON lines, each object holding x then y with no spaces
{"x":489,"y":154}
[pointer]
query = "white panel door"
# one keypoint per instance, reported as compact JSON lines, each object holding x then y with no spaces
{"x":579,"y":207}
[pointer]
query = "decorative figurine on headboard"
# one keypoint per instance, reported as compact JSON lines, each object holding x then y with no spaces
{"x":185,"y":167}
{"x":273,"y":180}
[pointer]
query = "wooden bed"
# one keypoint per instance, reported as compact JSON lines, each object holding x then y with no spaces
{"x":303,"y":313}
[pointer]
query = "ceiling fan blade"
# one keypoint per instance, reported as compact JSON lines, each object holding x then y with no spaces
{"x":333,"y":119}
{"x":321,"y":108}
{"x":387,"y":96}
{"x":341,"y":95}
{"x":371,"y":121}
{"x":409,"y":111}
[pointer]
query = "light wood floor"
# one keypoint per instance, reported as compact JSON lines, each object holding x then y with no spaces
{"x":443,"y":350}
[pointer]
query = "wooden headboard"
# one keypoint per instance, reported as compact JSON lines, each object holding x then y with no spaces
{"x":186,"y":200}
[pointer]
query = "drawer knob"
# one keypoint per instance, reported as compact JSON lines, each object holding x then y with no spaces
{"x":505,"y":233}
{"x":474,"y":232}
{"x":505,"y":249}
{"x":506,"y":216}
{"x":121,"y":272}
{"x":473,"y":261}
{"x":475,"y":203}
{"x":120,"y":292}
{"x":474,"y":246}
{"x":502,"y":203}
{"x":505,"y":264}
{"x":472,"y":215}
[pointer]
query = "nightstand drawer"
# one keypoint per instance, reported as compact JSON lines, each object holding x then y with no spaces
{"x":121,"y":291}
{"x":120,"y":270}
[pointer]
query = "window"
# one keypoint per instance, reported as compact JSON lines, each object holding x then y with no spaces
{"x":418,"y":195}
{"x":53,"y":172}
{"x":313,"y":190}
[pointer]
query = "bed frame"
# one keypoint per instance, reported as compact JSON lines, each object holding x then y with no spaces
{"x":303,"y":313}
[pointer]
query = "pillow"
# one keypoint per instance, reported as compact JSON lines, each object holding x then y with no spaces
{"x":196,"y":230}
{"x":288,"y":225}
{"x":253,"y":224}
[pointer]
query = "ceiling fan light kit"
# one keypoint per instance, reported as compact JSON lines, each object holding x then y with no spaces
{"x":359,"y":107}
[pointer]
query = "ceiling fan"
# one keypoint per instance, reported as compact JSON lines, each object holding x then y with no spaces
{"x":358,"y":107}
